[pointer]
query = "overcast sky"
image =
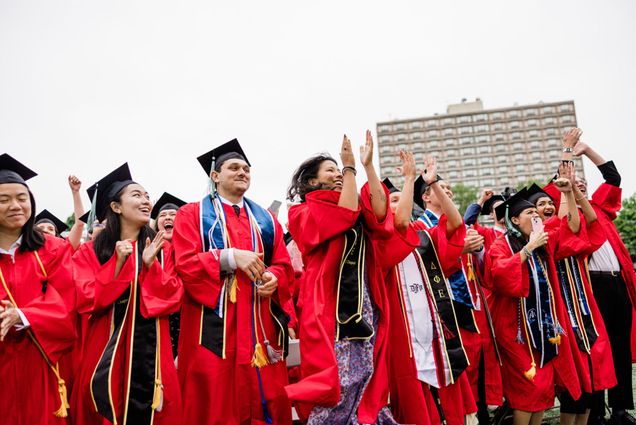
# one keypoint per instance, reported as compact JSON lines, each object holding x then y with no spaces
{"x":87,"y":85}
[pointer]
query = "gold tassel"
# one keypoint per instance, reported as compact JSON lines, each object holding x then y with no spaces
{"x":471,"y":273}
{"x":158,"y":394}
{"x":62,"y":412}
{"x":260,"y":359}
{"x":531,"y":373}
{"x":233,"y":289}
{"x":555,"y":340}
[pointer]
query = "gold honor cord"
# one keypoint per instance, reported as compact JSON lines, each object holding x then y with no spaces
{"x":62,"y":412}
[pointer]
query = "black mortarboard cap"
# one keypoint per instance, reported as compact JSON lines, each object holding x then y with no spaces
{"x":389,"y":185}
{"x":535,"y":192}
{"x":108,"y":187}
{"x":166,"y":202}
{"x":46,"y":217}
{"x":13,"y":171}
{"x":508,"y":192}
{"x":487,"y":207}
{"x":515,"y":204}
{"x":218,"y":155}
{"x":84,"y":218}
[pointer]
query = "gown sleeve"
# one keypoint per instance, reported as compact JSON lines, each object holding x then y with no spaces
{"x":97,"y":288}
{"x":321,"y":215}
{"x":161,"y":289}
{"x":507,"y":274}
{"x":199,"y":271}
{"x":376,"y":228}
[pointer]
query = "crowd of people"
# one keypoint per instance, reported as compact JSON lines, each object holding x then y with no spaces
{"x":406,"y":312}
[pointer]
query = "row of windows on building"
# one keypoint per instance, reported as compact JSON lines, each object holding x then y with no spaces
{"x":513,"y":114}
{"x":505,"y":164}
{"x":514,"y":131}
{"x":451,"y":149}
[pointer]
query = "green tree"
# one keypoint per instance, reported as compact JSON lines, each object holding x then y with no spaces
{"x":464,"y":195}
{"x":626,"y":225}
{"x":528,"y":184}
{"x":70,"y":220}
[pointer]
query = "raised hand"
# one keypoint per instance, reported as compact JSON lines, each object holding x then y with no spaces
{"x":430,"y":170}
{"x":486,"y":194}
{"x":566,"y":170}
{"x":473,"y":241}
{"x":74,"y":183}
{"x":268,"y":286}
{"x":9,"y":317}
{"x":250,"y":262}
{"x":408,"y":164}
{"x":571,"y":138}
{"x":537,"y":240}
{"x":366,"y":151}
{"x":123,"y":249}
{"x":580,"y":149}
{"x":346,"y":154}
{"x":563,"y":184}
{"x":152,"y":248}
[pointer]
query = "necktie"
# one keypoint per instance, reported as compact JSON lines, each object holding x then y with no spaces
{"x":237,"y":210}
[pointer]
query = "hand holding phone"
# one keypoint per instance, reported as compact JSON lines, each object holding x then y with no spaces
{"x":537,"y":224}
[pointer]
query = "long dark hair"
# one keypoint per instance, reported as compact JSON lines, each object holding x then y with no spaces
{"x":104,"y":243}
{"x":308,"y":170}
{"x":32,"y":237}
{"x":518,"y":242}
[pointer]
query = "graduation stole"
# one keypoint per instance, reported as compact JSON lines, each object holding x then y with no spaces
{"x":446,"y":329}
{"x":134,"y":347}
{"x":350,"y":288}
{"x":461,"y":294}
{"x":214,"y":236}
{"x":62,"y":412}
{"x":576,"y":303}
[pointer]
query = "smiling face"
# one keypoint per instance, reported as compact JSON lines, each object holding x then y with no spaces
{"x":524,"y":221}
{"x":165,"y":222}
{"x":233,"y":178}
{"x":545,"y":207}
{"x":581,"y":183}
{"x":328,"y":177}
{"x":134,"y":206}
{"x":15,"y":206}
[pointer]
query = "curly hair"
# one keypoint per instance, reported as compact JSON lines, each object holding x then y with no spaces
{"x":308,"y":170}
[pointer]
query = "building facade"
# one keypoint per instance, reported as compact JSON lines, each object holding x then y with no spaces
{"x":482,"y":147}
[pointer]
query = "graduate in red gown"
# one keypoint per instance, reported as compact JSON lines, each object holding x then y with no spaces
{"x":614,"y":285}
{"x":590,"y":344}
{"x":528,"y":312}
{"x":344,"y":320}
{"x":231,"y":257}
{"x":127,"y":374}
{"x":164,"y":211}
{"x":426,"y":350}
{"x":36,"y":296}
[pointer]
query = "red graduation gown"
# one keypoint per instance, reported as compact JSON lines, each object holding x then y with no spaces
{"x":226,"y":391}
{"x":606,"y":202}
{"x":511,"y":280}
{"x":29,"y":389}
{"x":318,"y":226}
{"x":600,"y":357}
{"x":160,"y":295}
{"x":411,"y":399}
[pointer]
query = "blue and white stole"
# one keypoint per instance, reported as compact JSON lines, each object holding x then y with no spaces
{"x":214,"y":235}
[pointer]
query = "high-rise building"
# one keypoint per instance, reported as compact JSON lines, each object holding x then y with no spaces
{"x":482,"y":147}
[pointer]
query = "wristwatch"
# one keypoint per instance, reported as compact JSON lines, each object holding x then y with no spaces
{"x":568,"y":150}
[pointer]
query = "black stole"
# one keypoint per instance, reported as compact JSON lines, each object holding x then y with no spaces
{"x":142,"y":340}
{"x":350,"y":291}
{"x":454,"y":349}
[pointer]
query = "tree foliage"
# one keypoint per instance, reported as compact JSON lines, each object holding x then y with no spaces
{"x":626,"y":225}
{"x":464,"y":195}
